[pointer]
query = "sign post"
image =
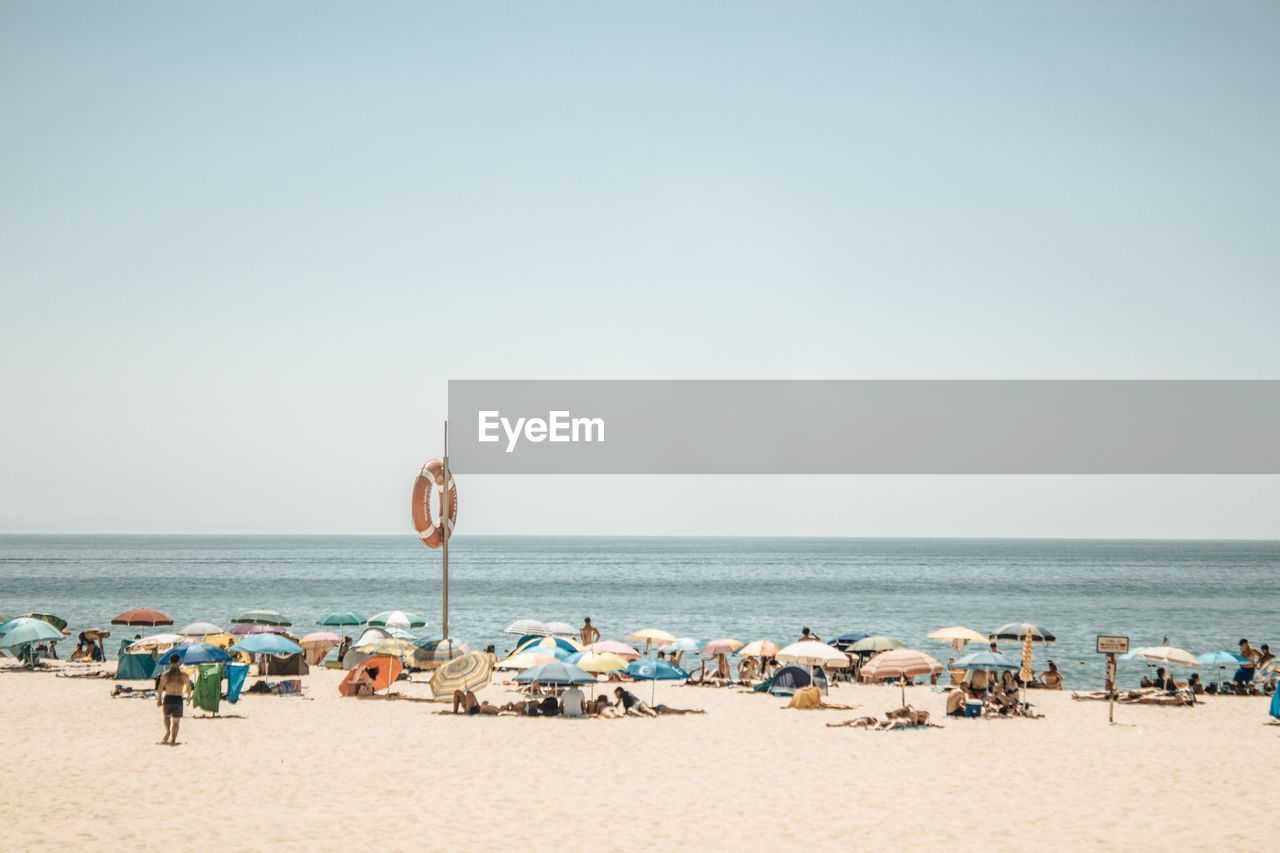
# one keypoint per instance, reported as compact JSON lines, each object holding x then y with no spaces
{"x":1112,"y":646}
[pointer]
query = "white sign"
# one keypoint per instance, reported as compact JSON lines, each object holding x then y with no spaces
{"x":1112,"y":645}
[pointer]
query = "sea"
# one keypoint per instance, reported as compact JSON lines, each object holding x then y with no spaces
{"x":1198,"y":595}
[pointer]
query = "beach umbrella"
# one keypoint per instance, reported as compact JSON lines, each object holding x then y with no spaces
{"x":199,"y":629}
{"x":267,"y":644}
{"x":557,"y":672}
{"x":141,"y":616}
{"x":436,"y":651}
{"x":14,"y":621}
{"x":1165,"y":654}
{"x":1025,"y":674}
{"x":389,"y":646}
{"x":655,"y":671}
{"x":1018,"y":630}
{"x":401,"y":634}
{"x":561,"y":628}
{"x":650,"y":636}
{"x":261,"y":617}
{"x":549,"y":645}
{"x":190,"y":654}
{"x":812,"y":653}
{"x":682,"y":644}
{"x":723,"y":646}
{"x":341,"y":618}
{"x":758,"y":649}
{"x":843,"y":641}
{"x":984,"y":660}
{"x":526,"y":626}
{"x":469,"y":672}
{"x":901,"y":664}
{"x":614,"y":647}
{"x":524,"y":660}
{"x":957,"y":636}
{"x":1221,"y":659}
{"x":875,"y":644}
{"x":397,"y":619}
{"x":245,"y":629}
{"x":30,"y":631}
{"x":55,"y":621}
{"x":597,"y":662}
{"x":154,"y":643}
{"x":320,"y":638}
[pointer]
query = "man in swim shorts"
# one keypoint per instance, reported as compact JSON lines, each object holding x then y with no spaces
{"x":171,"y":688}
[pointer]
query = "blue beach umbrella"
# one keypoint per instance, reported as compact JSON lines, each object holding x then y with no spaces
{"x":555,"y":672}
{"x":1221,"y":659}
{"x":985,"y":661}
{"x":545,"y":645}
{"x":191,"y":654}
{"x":267,"y":644}
{"x":684,"y":644}
{"x":28,"y":631}
{"x":650,"y":669}
{"x":845,"y":640}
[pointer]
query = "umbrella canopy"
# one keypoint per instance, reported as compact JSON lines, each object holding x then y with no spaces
{"x":340,"y":618}
{"x":562,"y":628}
{"x":1025,"y":672}
{"x":655,"y":670}
{"x":758,"y":649}
{"x":431,"y":653}
{"x":397,"y":619}
{"x":843,"y":641}
{"x":199,"y":629}
{"x":155,"y":641}
{"x":524,"y":660}
{"x":469,"y":672}
{"x":1018,"y":630}
{"x":30,"y":631}
{"x":682,"y":644}
{"x":1221,"y":658}
{"x":722,"y":646}
{"x":190,"y":654}
{"x":261,"y":617}
{"x":141,"y":616}
{"x":56,"y":621}
{"x":984,"y":660}
{"x":388,"y":646}
{"x":614,"y":647}
{"x":812,"y":653}
{"x":526,"y":626}
{"x":1165,"y":654}
{"x":319,"y":638}
{"x":650,"y":636}
{"x":899,"y":663}
{"x":244,"y":630}
{"x":596,"y":662}
{"x":556,"y":672}
{"x":13,"y":622}
{"x":401,"y":634}
{"x":957,"y":634}
{"x":549,"y":645}
{"x":267,"y":644}
{"x":875,"y":644}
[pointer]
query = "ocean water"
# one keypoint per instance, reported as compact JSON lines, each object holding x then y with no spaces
{"x":1201,"y":595}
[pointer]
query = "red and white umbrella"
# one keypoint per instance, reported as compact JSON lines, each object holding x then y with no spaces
{"x":900,"y":663}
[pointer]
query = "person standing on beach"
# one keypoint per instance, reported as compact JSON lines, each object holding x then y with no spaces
{"x":588,"y":633}
{"x":1244,"y":675}
{"x":172,"y":688}
{"x":806,"y":635}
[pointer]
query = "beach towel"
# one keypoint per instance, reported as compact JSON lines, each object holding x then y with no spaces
{"x":208,"y":690}
{"x":1275,"y":703}
{"x":806,"y":698}
{"x":236,"y":674}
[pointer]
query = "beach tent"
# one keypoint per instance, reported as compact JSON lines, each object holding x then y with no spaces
{"x":792,"y":677}
{"x":285,"y":665}
{"x":137,"y":667}
{"x":381,"y":669}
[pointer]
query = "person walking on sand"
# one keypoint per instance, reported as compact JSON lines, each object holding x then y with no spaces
{"x":588,"y":633}
{"x":171,"y":688}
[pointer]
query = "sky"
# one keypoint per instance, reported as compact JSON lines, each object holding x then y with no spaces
{"x":243,"y":246}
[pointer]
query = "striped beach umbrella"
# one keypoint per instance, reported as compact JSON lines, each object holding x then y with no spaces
{"x":549,"y":645}
{"x":435,"y":652}
{"x":523,"y":627}
{"x":563,"y":629}
{"x":1018,"y":630}
{"x":901,"y":664}
{"x":397,"y":619}
{"x":469,"y":672}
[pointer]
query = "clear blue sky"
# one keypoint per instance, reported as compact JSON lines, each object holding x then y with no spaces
{"x":243,"y":245}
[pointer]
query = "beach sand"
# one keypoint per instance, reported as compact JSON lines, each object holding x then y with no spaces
{"x":320,"y":772}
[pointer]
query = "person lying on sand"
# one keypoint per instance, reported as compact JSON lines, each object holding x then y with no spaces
{"x":632,"y":704}
{"x":467,"y":702}
{"x":855,"y":723}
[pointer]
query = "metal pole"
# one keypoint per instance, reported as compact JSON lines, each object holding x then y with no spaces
{"x":1111,"y":688}
{"x":444,"y":523}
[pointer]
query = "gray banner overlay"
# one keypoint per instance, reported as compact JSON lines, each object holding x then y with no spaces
{"x":864,"y":427}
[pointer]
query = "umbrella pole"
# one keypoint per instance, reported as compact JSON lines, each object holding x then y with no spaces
{"x":903,"y":681}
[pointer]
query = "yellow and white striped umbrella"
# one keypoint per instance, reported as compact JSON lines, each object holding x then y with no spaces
{"x":469,"y":672}
{"x":597,"y":662}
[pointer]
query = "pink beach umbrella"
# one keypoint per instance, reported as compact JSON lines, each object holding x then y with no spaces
{"x":614,"y":647}
{"x":901,"y":664}
{"x":723,"y":646}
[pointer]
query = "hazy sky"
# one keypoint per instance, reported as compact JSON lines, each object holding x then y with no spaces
{"x":244,"y":245}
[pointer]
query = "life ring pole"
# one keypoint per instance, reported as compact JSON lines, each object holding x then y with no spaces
{"x":444,"y":524}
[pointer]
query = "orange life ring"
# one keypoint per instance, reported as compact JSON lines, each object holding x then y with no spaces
{"x":431,"y":479}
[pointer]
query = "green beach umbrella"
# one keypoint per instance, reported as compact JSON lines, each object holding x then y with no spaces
{"x":261,"y":617}
{"x":397,"y":619}
{"x":30,"y":631}
{"x":341,"y":617}
{"x":55,"y":621}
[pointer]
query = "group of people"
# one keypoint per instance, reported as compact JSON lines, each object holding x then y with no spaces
{"x":571,"y":703}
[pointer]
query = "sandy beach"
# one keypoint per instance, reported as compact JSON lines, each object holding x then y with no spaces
{"x":325,"y":772}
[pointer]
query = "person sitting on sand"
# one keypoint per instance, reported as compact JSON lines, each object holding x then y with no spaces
{"x":632,"y":704}
{"x":979,"y":682}
{"x":571,"y":702}
{"x":172,"y":687}
{"x":470,"y":705}
{"x":1194,"y":684}
{"x":747,"y":668}
{"x":956,"y":702}
{"x":1010,"y":687}
{"x":1051,"y":678}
